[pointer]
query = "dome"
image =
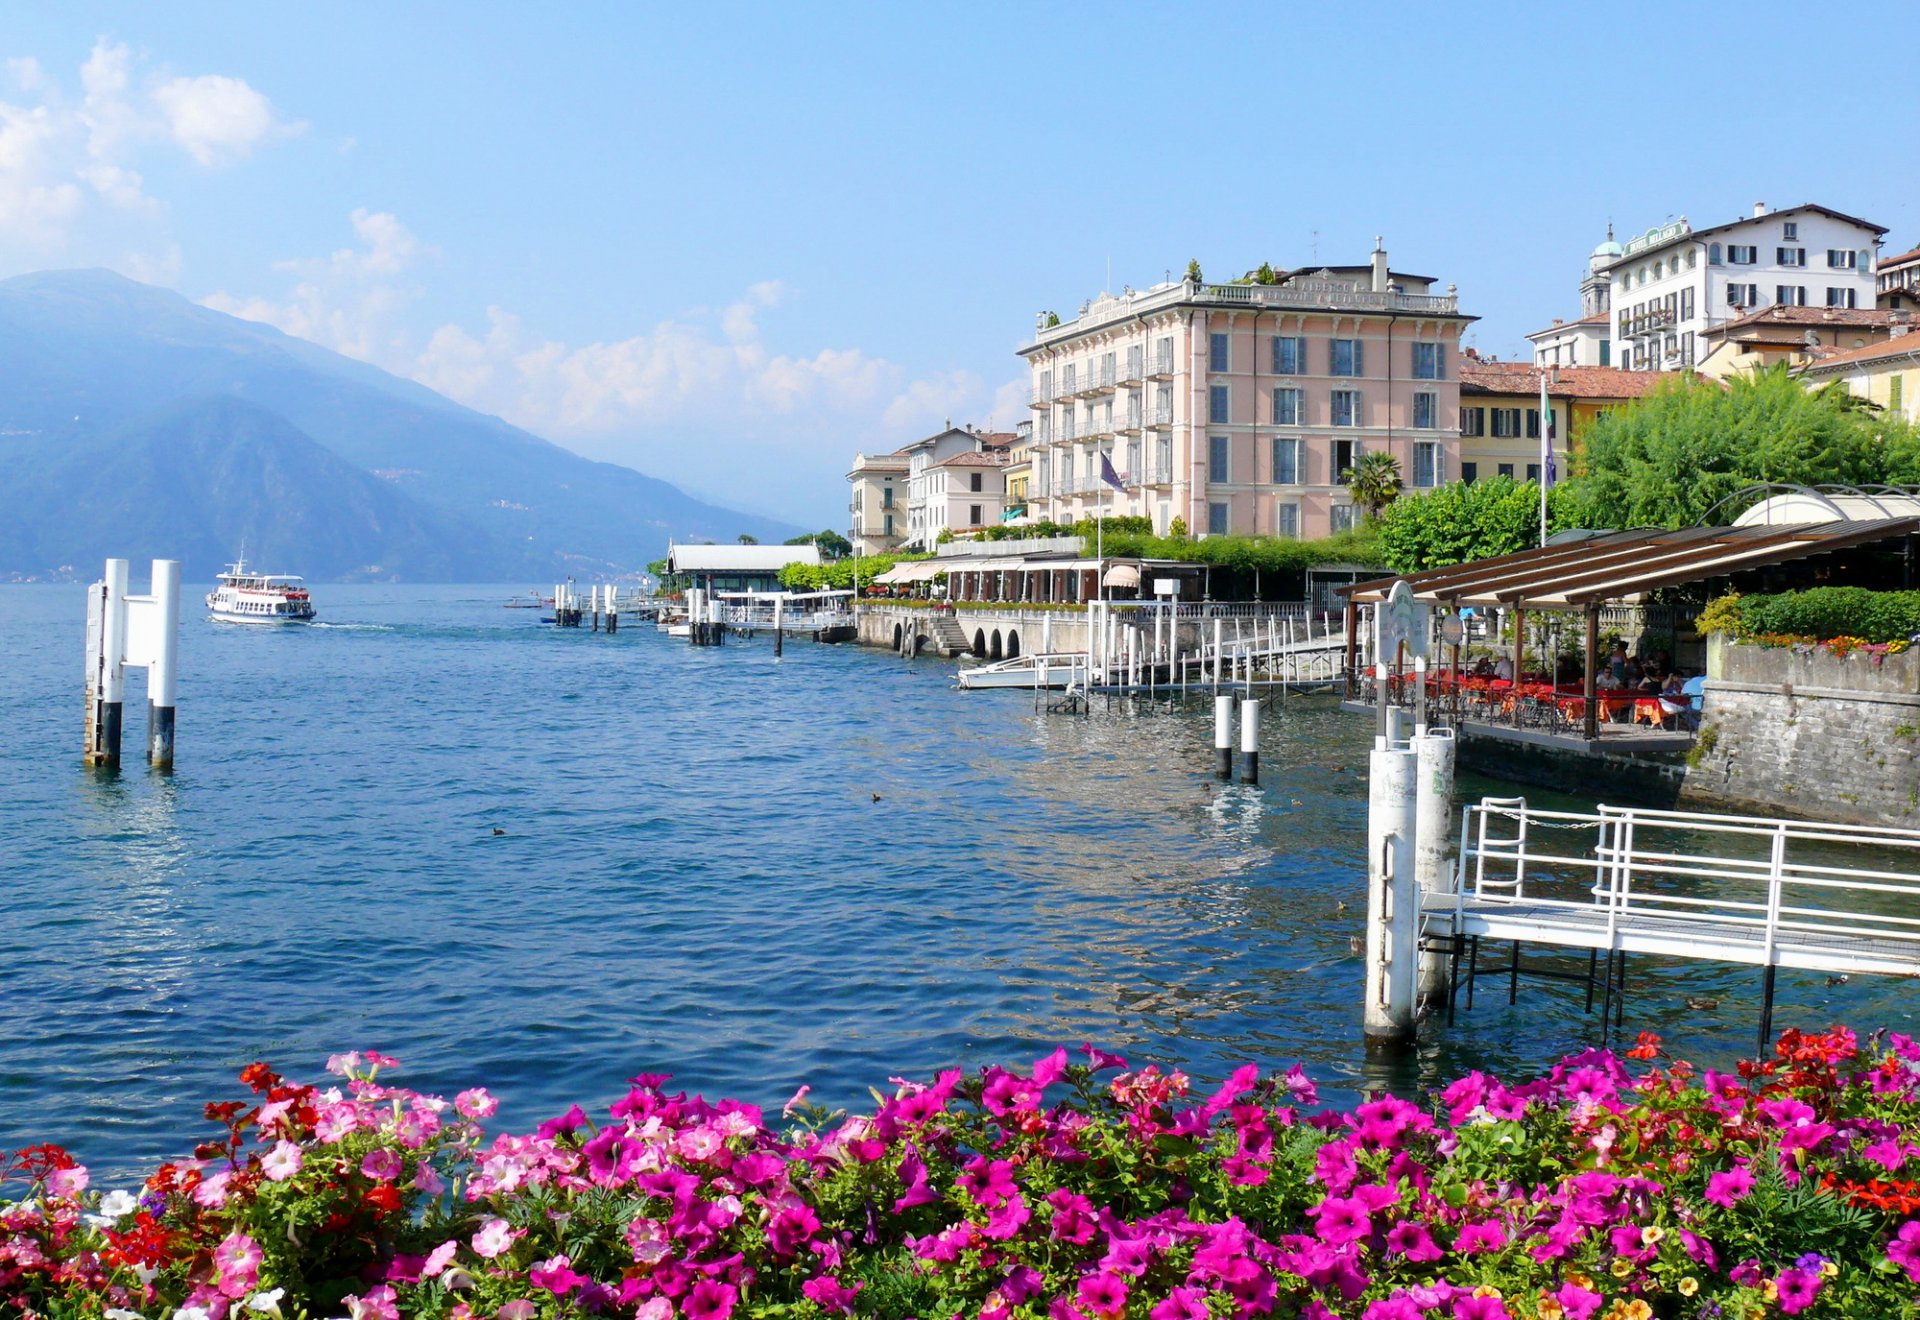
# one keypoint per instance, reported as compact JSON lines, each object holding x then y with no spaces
{"x":1609,"y":249}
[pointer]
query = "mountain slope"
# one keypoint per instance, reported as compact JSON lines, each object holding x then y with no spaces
{"x":86,"y":354}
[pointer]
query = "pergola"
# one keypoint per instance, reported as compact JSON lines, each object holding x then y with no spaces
{"x":1605,"y":568}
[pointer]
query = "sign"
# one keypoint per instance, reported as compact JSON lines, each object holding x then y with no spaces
{"x":1452,"y":630}
{"x":1166,"y":586}
{"x":1402,"y":619}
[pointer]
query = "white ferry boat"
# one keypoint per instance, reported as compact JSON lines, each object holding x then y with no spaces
{"x":244,"y":596}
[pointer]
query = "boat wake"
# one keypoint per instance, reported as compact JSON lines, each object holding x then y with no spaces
{"x":352,"y":627}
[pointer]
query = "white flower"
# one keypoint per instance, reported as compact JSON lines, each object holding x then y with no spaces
{"x":118,"y":1205}
{"x":268,"y":1301}
{"x":191,"y":1313}
{"x":121,"y":1313}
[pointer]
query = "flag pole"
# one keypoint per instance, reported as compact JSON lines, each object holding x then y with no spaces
{"x":1546,"y":453}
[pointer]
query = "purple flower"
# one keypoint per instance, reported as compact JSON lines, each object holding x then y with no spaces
{"x":1725,"y":1189}
{"x":1340,"y":1219}
{"x":830,"y":1294}
{"x":1413,"y":1241}
{"x":1486,"y":1235}
{"x":1479,"y":1308}
{"x":1183,"y":1303}
{"x":1797,"y":1289}
{"x":709,"y":1300}
{"x":1904,"y":1249}
{"x":1397,"y":1307}
{"x":1103,"y":1293}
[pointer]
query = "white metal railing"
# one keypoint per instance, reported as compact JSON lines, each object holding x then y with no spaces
{"x":1761,"y":883}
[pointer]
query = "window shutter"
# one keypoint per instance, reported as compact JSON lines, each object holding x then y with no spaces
{"x":1440,"y":360}
{"x":1359,"y":358}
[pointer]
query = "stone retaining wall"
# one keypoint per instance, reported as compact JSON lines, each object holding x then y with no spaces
{"x":1809,"y":734}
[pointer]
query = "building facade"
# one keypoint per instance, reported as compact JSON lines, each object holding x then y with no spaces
{"x":1793,"y":335}
{"x":1235,"y":408}
{"x":1673,"y":283}
{"x":1886,"y":373}
{"x":1588,"y":341}
{"x":879,"y":503}
{"x":1897,"y":281}
{"x":1501,"y":421}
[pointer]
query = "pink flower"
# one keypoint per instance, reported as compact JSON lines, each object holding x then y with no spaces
{"x":67,"y":1182}
{"x":439,"y":1258}
{"x":1183,"y":1303}
{"x":381,"y":1164}
{"x":830,"y":1294}
{"x":212,"y":1192}
{"x":1725,"y":1189}
{"x":1340,"y":1219}
{"x":1904,"y":1249}
{"x":1413,"y":1241}
{"x":1577,"y":1303}
{"x":1485,"y":1235}
{"x":708,"y":1300}
{"x":476,"y":1103}
{"x":557,"y":1276}
{"x":1103,"y":1294}
{"x":1480,"y":1308}
{"x":282,"y":1162}
{"x":238,"y":1258}
{"x":494,"y":1238}
{"x":517,"y":1309}
{"x":426,"y":1180}
{"x":377,"y":1303}
{"x":1797,"y":1289}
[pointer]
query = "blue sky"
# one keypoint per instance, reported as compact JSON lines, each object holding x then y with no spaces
{"x":732,"y":245}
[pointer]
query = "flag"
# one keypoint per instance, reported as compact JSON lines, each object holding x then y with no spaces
{"x":1108,"y":475}
{"x":1547,"y":428}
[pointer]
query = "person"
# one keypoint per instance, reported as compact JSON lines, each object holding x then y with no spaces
{"x":1674,"y":702}
{"x":1617,"y":664}
{"x":1503,"y":670}
{"x":1609,"y":681}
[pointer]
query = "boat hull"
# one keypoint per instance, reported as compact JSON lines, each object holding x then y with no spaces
{"x":269,"y":620}
{"x":1061,"y":671}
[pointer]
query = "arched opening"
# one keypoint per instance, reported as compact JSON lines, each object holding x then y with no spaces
{"x":980,"y":641}
{"x":898,"y":636}
{"x":1013,"y":645}
{"x":994,"y":645}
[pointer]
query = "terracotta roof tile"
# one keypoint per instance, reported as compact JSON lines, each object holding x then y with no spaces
{"x":1906,"y":345}
{"x":1808,"y":316}
{"x":1569,"y":383}
{"x":977,"y":458}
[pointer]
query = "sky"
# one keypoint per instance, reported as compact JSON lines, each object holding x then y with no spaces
{"x":731,"y":246}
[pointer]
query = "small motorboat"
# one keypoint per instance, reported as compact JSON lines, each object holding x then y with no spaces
{"x":1056,"y":670}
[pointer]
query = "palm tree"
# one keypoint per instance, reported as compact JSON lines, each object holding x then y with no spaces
{"x":1373,"y":482}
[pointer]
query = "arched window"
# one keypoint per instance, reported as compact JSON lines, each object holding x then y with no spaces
{"x":1713,"y":254}
{"x":1693,"y":258}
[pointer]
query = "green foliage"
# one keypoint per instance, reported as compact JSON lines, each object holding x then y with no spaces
{"x":832,"y":544}
{"x":1374,"y":482}
{"x":1053,"y":319}
{"x":1822,"y":612}
{"x":1467,"y":520}
{"x":838,"y":574}
{"x":1193,"y":272}
{"x":1266,"y":554}
{"x":1177,"y":529}
{"x":1667,"y":459}
{"x":744,"y":539}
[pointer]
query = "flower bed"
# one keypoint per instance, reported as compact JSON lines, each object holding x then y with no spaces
{"x":1072,"y":1191}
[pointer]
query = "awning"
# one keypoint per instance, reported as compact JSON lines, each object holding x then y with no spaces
{"x":1122,"y":575}
{"x":919,"y":570}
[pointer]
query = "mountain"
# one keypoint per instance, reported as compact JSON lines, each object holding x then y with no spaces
{"x":131,"y":415}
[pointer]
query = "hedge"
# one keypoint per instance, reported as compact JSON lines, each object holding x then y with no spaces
{"x":1820,"y":612}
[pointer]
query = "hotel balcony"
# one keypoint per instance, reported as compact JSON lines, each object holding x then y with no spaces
{"x":1040,"y":398}
{"x":1132,"y":373}
{"x":1100,"y":381}
{"x":1160,"y":474}
{"x":1650,"y":323}
{"x":1161,"y":420}
{"x":1129,"y":424}
{"x":1161,"y":367}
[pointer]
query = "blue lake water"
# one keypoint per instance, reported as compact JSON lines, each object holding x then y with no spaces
{"x":695,"y":878}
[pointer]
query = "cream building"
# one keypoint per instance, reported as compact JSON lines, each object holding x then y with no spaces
{"x":1886,"y":373}
{"x":1793,"y":335}
{"x":879,"y":504}
{"x":1235,"y":408}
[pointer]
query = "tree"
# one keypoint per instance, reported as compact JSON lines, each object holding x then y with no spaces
{"x":1374,"y":482}
{"x":832,"y":544}
{"x":1193,"y":271}
{"x":1265,"y":275}
{"x":1670,"y":459}
{"x":744,"y":539}
{"x":1465,"y":521}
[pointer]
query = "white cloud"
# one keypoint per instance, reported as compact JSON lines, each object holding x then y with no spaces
{"x":60,"y":159}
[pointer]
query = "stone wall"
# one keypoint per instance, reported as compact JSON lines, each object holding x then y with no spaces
{"x":1809,"y":735}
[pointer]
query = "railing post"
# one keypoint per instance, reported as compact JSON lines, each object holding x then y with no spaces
{"x":1776,"y":868}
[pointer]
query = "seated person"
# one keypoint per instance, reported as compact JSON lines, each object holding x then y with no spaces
{"x":1674,"y":702}
{"x":1608,"y":681}
{"x":1503,"y":669}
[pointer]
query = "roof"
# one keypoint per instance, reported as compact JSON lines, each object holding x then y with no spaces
{"x":1613,"y":566}
{"x":974,"y":458}
{"x":1693,"y":234}
{"x":1900,"y":346}
{"x":998,"y":439}
{"x":1886,"y":262}
{"x":1598,"y":318}
{"x":1805,"y":316}
{"x":739,"y":558}
{"x":1562,"y":383}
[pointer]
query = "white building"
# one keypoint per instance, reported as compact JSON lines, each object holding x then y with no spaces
{"x":1672,"y":283}
{"x":941,"y":493}
{"x":1587,"y":342}
{"x":879,"y":503}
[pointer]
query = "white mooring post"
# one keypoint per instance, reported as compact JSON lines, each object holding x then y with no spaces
{"x":1392,"y":895}
{"x":1218,"y":647}
{"x":1433,"y":759}
{"x":1223,"y":735}
{"x":779,"y":628}
{"x":1250,"y":741}
{"x":143,"y":631}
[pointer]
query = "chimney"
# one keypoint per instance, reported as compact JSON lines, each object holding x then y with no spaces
{"x":1379,"y":265}
{"x":1759,"y":209}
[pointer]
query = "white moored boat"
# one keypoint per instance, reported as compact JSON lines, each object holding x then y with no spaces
{"x":1063,"y":669}
{"x":244,"y":596}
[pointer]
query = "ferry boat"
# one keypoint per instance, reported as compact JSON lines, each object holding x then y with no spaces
{"x":244,"y":596}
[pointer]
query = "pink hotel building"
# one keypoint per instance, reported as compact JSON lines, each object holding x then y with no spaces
{"x":1236,"y":407}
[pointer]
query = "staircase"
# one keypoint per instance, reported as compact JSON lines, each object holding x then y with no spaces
{"x":948,"y":636}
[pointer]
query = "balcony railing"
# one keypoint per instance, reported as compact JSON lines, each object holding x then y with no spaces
{"x":1161,"y":367}
{"x":1100,"y":381}
{"x":1041,"y":397}
{"x":1129,"y":424}
{"x":1648,"y":323}
{"x":1133,"y":370}
{"x":1158,"y":474}
{"x":1161,"y":418}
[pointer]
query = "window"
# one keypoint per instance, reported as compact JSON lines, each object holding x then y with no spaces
{"x":1506,"y":423}
{"x":886,"y":497}
{"x":1896,"y":391}
{"x":1346,"y":408}
{"x":1217,"y":519}
{"x":1340,"y":518}
{"x":1742,"y":254}
{"x":1286,"y":520}
{"x":974,"y":483}
{"x":1469,"y":472}
{"x":1345,"y":454}
{"x":1790,"y":295}
{"x":1693,"y":258}
{"x":1216,"y":352}
{"x":1348,"y":357}
{"x":1286,"y":461}
{"x":1066,"y":472}
{"x":1134,"y":355}
{"x":1533,"y":423}
{"x":1506,"y":469}
{"x":1429,"y":361}
{"x":1840,"y":298}
{"x":1133,"y":462}
{"x":1426,"y":410}
{"x":1163,"y":406}
{"x":1428,"y":460}
{"x":1686,"y":305}
{"x":1743,"y":295}
{"x":1533,"y":472}
{"x":1713,"y":254}
{"x":1791,"y":256}
{"x":1163,"y":358}
{"x":1046,"y":385}
{"x":973,"y":515}
{"x":1067,"y":378}
{"x":1838,"y":260}
{"x":1286,"y":406}
{"x":1686,"y":349}
{"x":1289,"y":355}
{"x":1046,"y":429}
{"x":1217,"y":456}
{"x":1606,"y":349}
{"x":889,"y":525}
{"x":1163,"y":458}
{"x":1790,"y":230}
{"x":1217,"y":402}
{"x":1473,"y":421}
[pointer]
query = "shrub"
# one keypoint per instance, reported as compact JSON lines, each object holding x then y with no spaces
{"x":1070,"y":1190}
{"x":1874,"y":616}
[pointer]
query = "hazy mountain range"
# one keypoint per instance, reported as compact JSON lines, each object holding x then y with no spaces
{"x":135,"y":423}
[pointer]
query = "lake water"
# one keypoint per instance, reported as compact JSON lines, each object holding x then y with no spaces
{"x":695,"y":878}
